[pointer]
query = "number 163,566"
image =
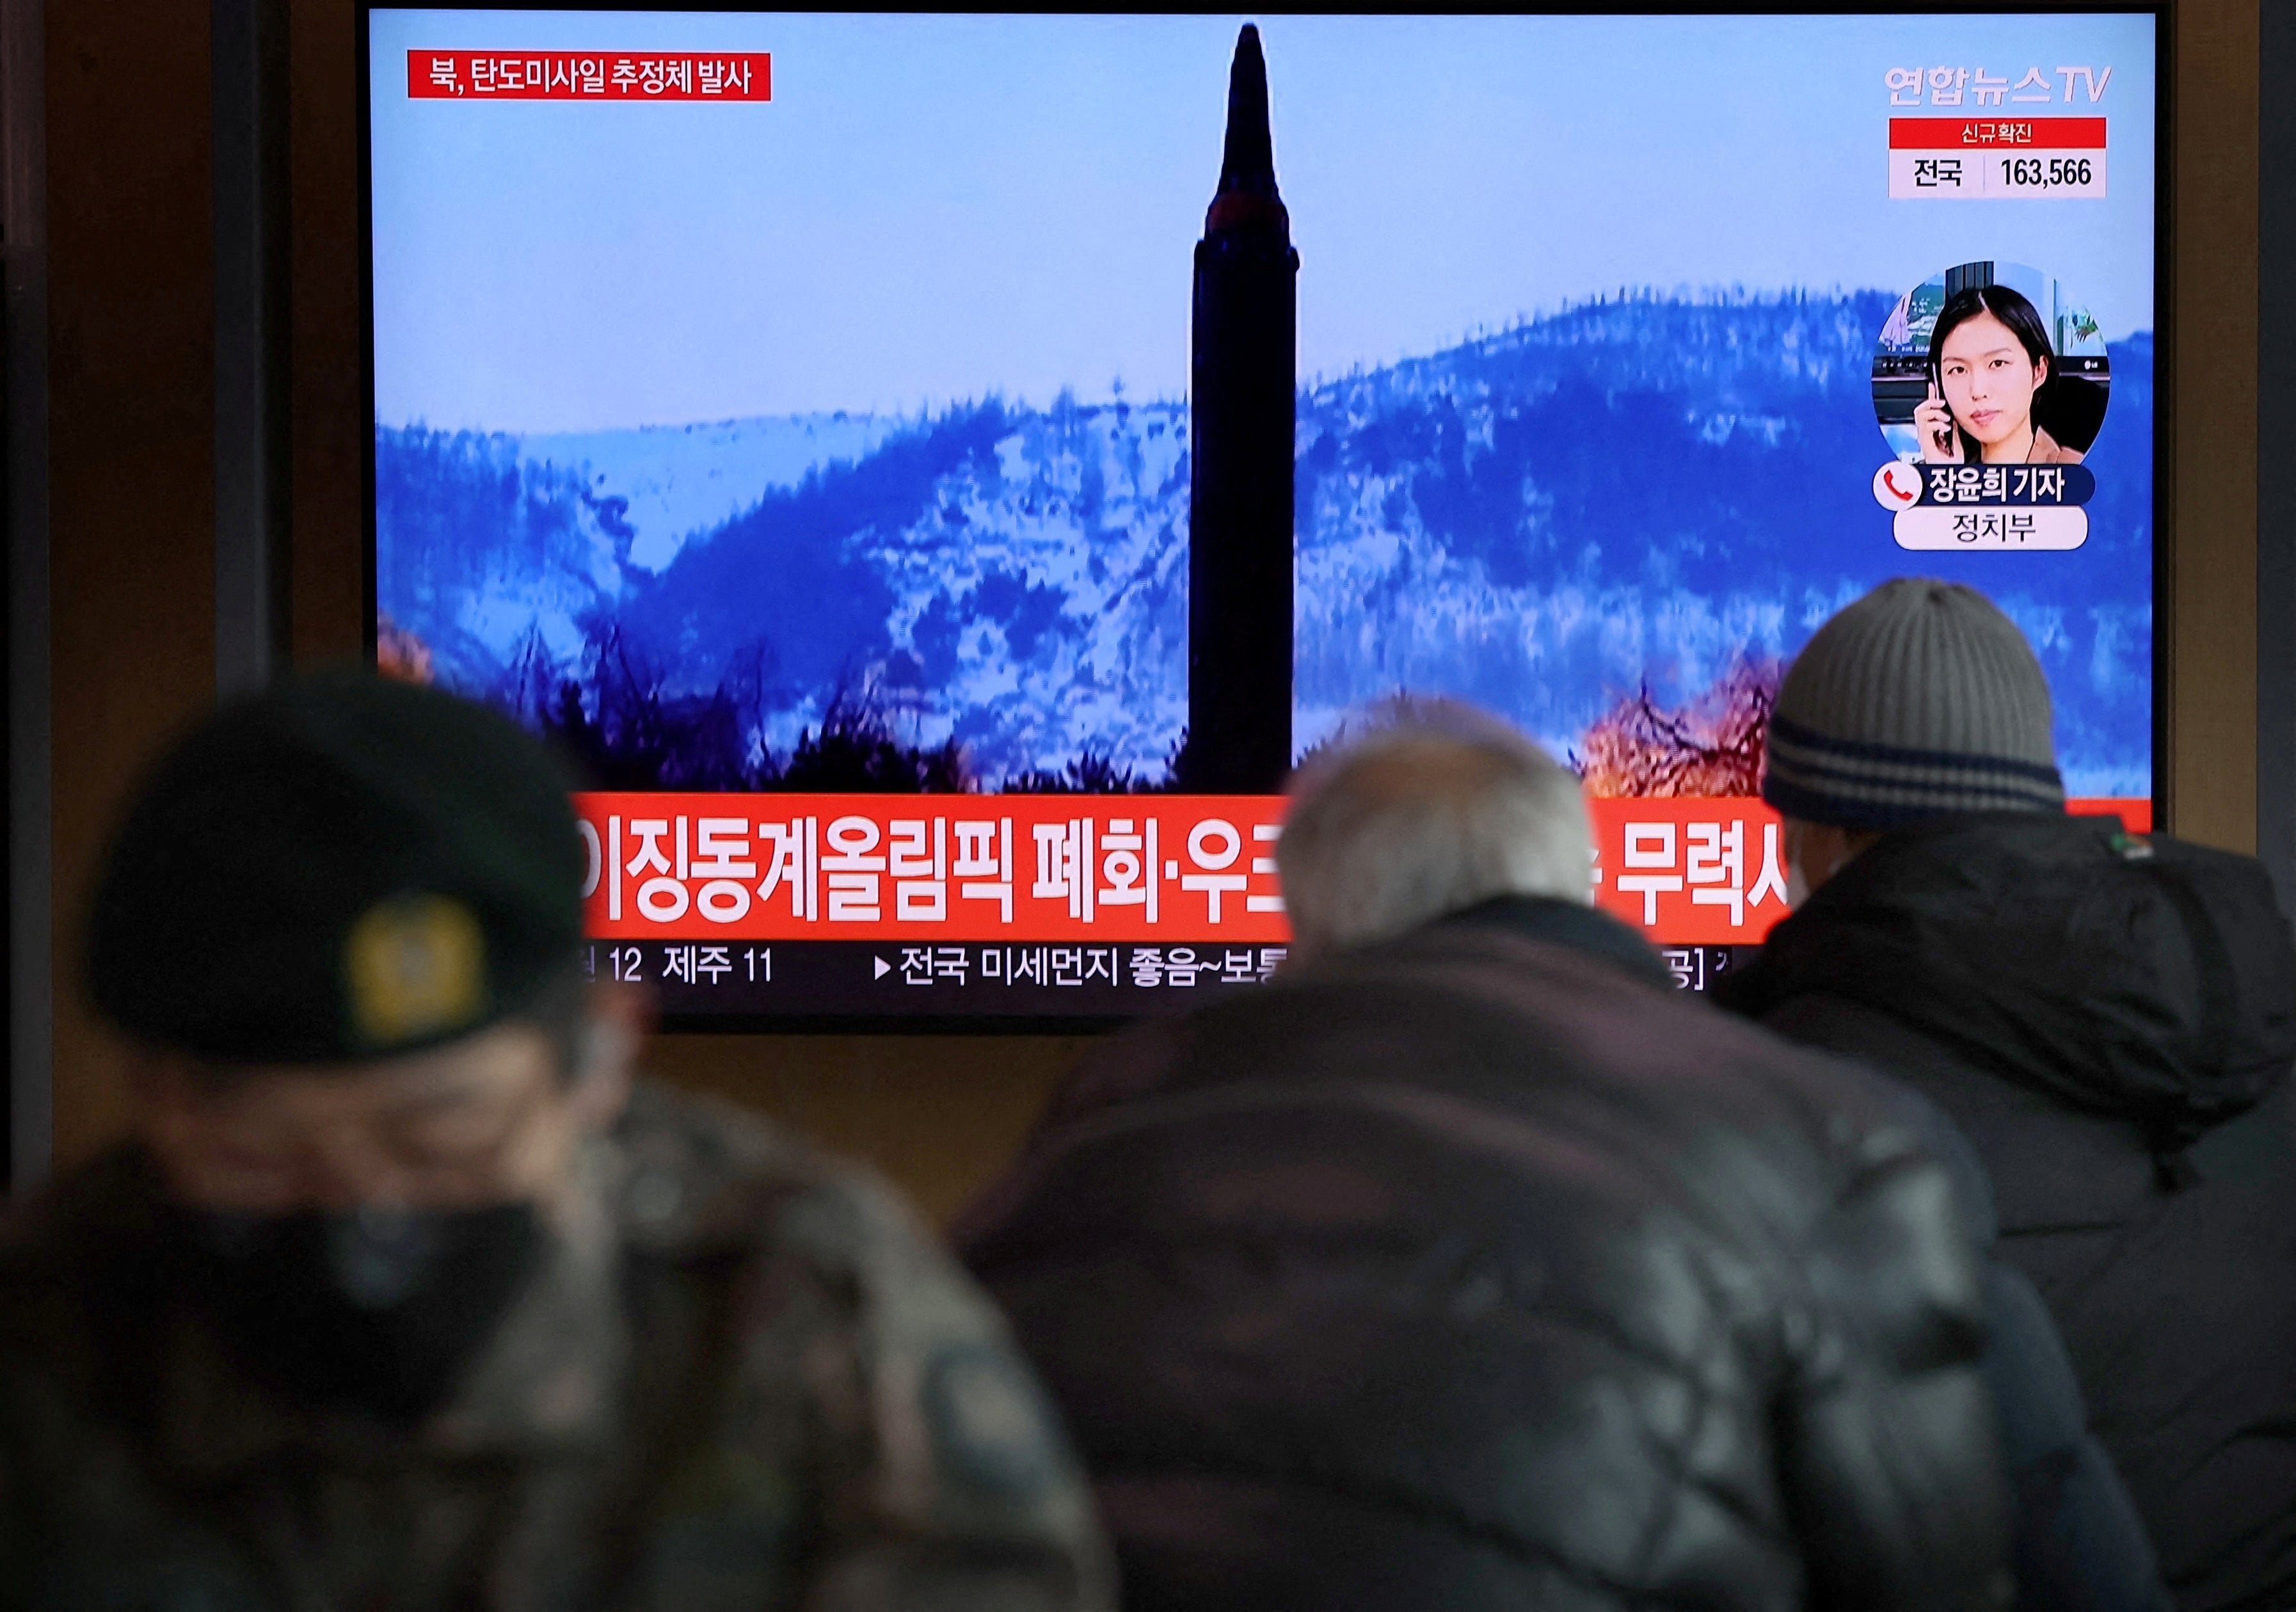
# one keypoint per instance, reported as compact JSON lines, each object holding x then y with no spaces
{"x":2051,"y":173}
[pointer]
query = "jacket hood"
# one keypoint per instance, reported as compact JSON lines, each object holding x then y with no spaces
{"x":2131,"y":974}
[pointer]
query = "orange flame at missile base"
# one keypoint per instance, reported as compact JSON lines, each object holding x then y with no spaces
{"x":1711,"y":746}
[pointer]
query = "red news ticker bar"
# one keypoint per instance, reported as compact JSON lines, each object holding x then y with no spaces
{"x":1966,"y":133}
{"x":1179,"y":868}
{"x":917,"y":868}
{"x":590,"y":75}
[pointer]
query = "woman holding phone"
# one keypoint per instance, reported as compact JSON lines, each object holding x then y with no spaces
{"x":1989,"y":358}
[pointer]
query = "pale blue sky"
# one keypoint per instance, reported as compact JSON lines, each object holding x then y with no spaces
{"x":933,"y":207}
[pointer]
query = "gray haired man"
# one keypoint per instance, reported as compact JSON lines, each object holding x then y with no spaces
{"x":1471,"y":1265}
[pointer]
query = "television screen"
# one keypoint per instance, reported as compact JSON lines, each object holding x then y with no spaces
{"x":935,"y":473}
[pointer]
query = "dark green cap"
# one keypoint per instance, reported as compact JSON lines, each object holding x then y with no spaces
{"x":338,"y":868}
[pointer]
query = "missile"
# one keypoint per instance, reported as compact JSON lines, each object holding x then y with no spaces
{"x":1243,"y":372}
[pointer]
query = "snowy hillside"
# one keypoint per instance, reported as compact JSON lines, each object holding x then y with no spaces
{"x":1628,"y":492}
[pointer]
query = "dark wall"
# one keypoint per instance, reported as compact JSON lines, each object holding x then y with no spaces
{"x":130,"y":448}
{"x":2208,"y":625}
{"x":2276,"y":436}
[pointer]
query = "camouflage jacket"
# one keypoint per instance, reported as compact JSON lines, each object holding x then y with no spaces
{"x":744,"y":1379}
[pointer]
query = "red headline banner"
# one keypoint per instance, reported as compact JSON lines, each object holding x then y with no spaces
{"x":590,"y":75}
{"x":917,"y":867}
{"x":1083,"y":867}
{"x":1960,"y":133}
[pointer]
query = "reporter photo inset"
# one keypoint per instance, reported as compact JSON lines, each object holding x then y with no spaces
{"x":1990,"y":362}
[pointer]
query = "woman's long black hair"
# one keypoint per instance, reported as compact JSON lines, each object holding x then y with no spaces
{"x":2009,"y":306}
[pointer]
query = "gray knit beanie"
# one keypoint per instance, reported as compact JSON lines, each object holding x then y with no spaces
{"x":1920,"y":701}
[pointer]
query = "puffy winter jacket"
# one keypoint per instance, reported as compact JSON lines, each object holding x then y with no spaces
{"x":2110,"y":1020}
{"x":1478,"y":1270}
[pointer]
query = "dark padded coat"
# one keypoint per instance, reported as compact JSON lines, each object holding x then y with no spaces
{"x":1478,"y":1270}
{"x":2110,"y":1020}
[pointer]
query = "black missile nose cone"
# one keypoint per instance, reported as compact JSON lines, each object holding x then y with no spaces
{"x":1249,"y":162}
{"x":1247,"y":182}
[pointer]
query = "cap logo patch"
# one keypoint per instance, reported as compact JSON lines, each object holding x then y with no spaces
{"x":417,"y":966}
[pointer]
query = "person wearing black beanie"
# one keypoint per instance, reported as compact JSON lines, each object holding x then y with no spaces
{"x":2109,"y":1017}
{"x":402,"y":1294}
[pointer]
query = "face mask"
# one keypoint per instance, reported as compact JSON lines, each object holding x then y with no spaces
{"x":1797,"y":886}
{"x":376,"y":1310}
